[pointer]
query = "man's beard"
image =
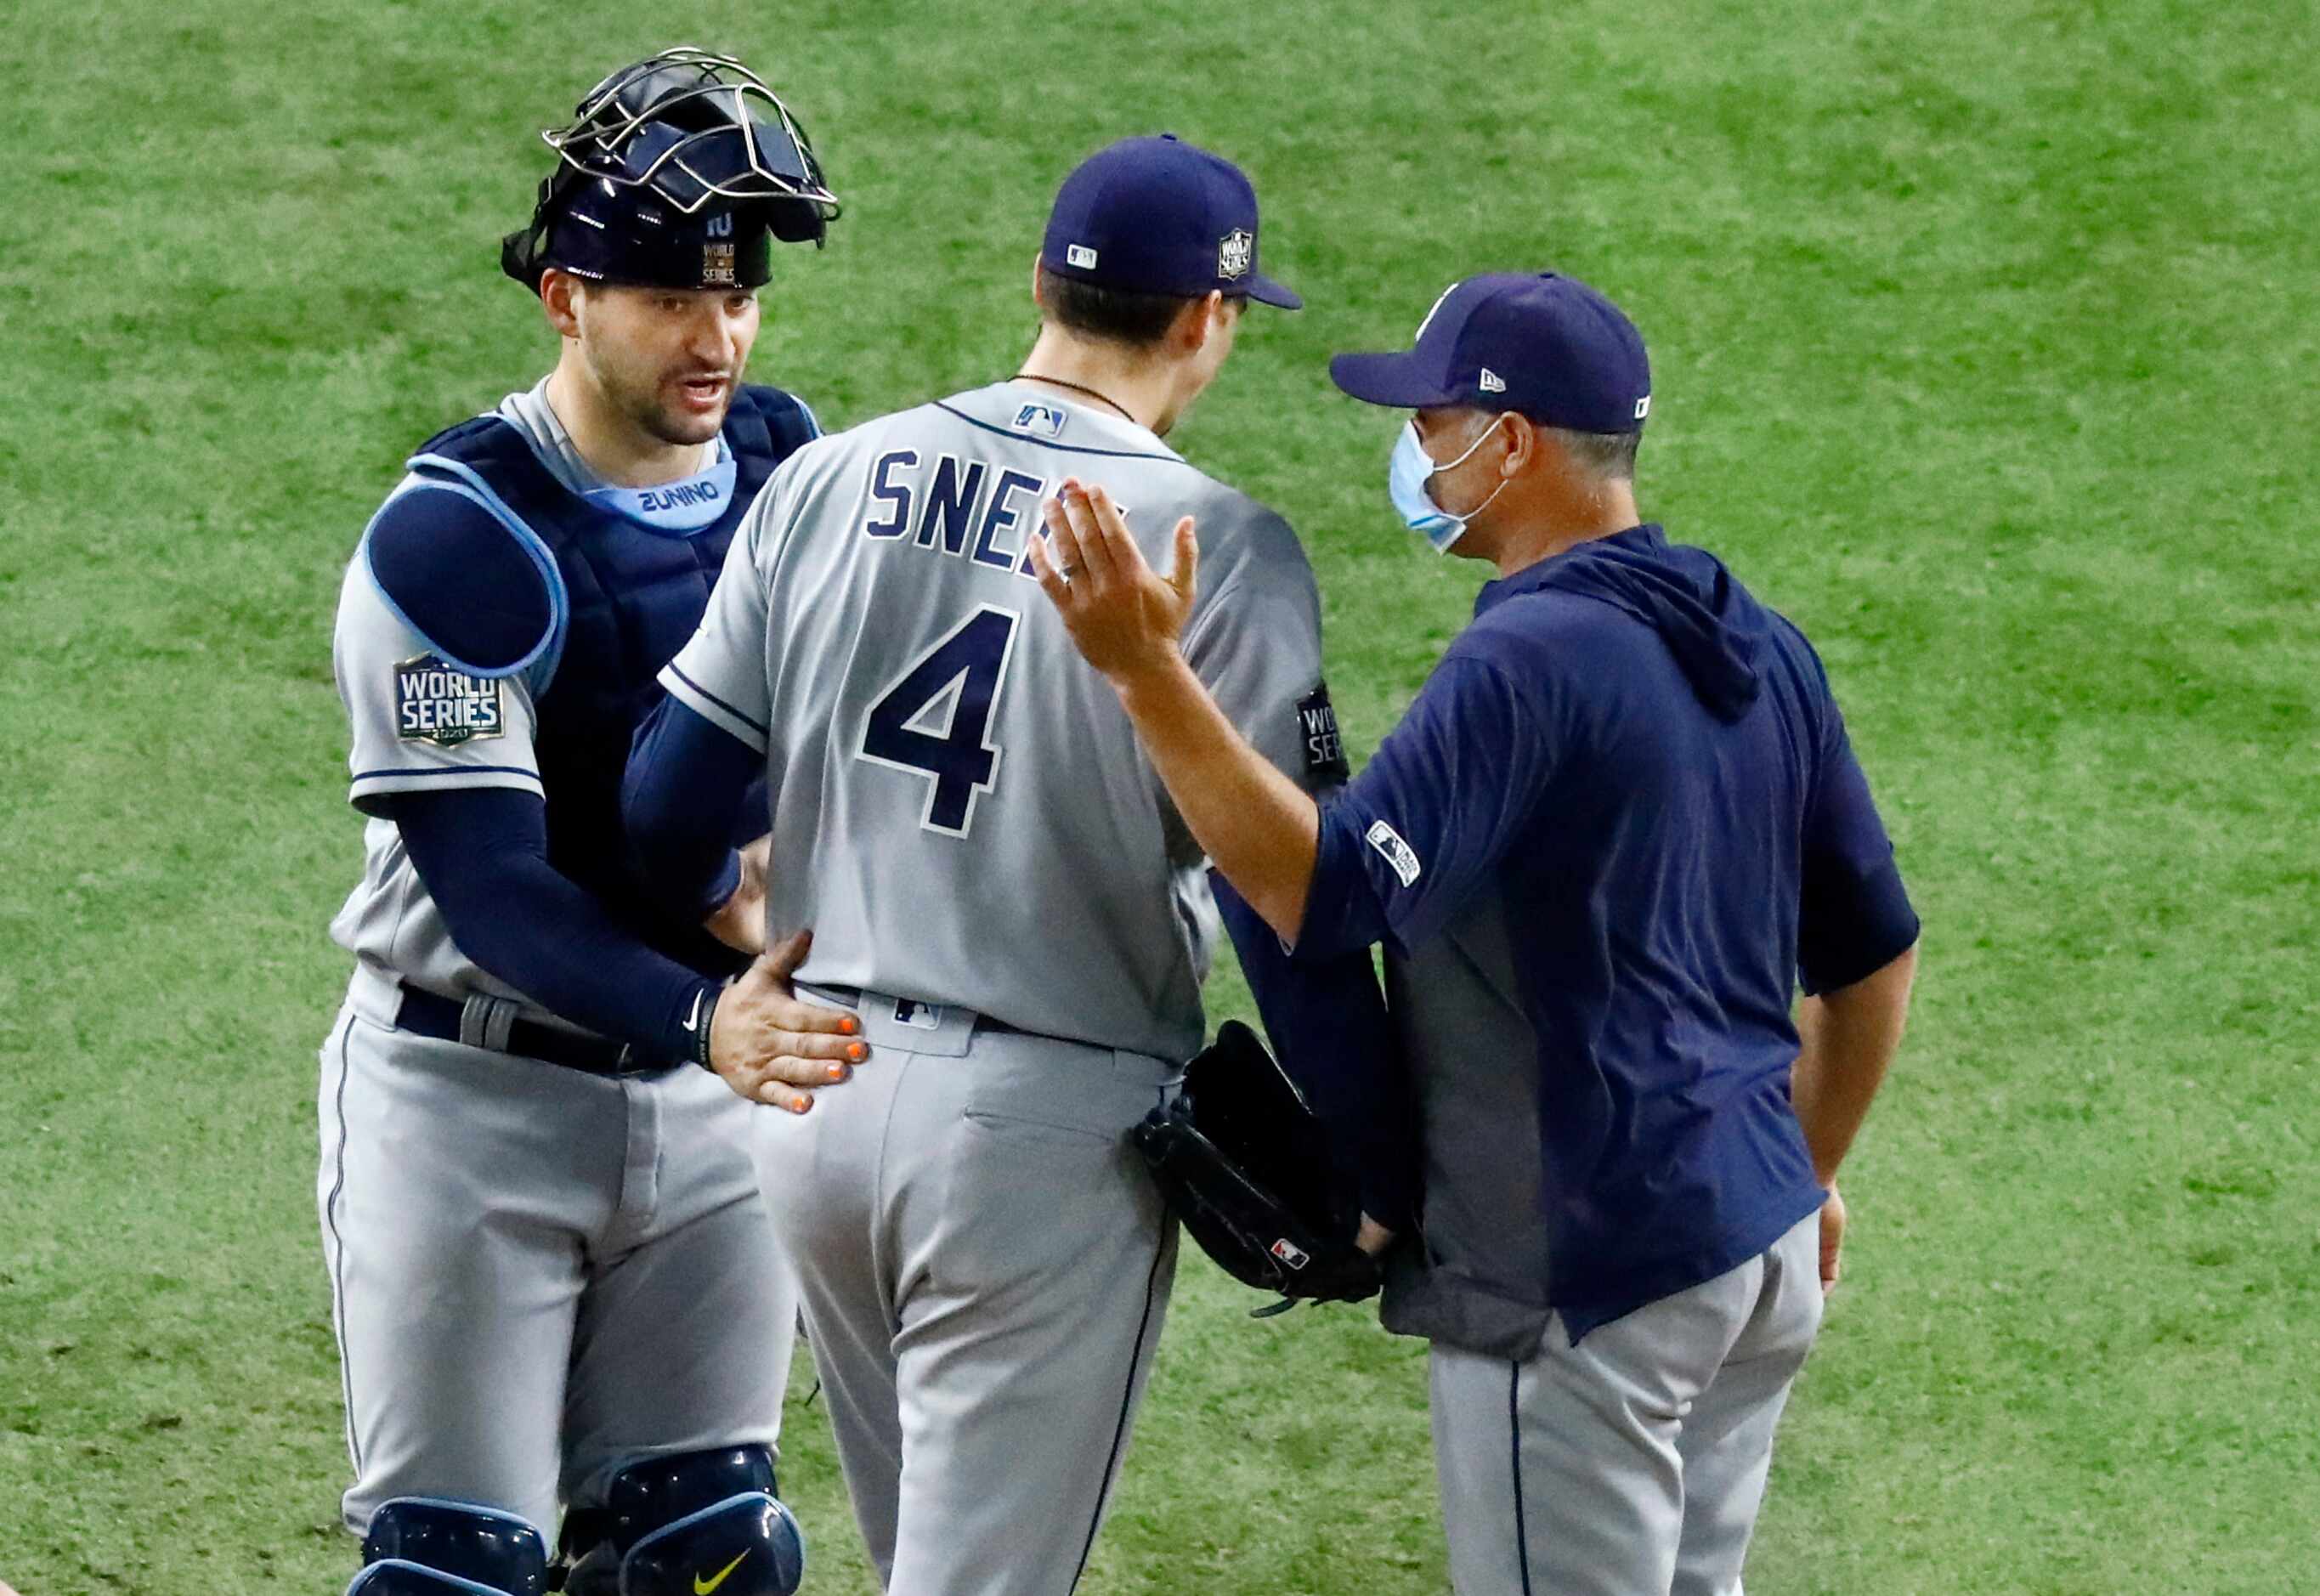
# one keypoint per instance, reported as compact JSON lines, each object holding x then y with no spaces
{"x":672,"y":426}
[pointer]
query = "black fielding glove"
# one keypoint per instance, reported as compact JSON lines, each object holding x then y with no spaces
{"x":1243,"y":1162}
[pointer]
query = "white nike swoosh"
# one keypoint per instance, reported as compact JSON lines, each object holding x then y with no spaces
{"x":693,"y":1020}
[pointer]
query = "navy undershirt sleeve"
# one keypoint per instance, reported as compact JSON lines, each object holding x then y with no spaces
{"x":1326,"y":1020}
{"x":1854,"y":915}
{"x":1407,"y":845}
{"x":687,"y":791}
{"x":481,"y":852}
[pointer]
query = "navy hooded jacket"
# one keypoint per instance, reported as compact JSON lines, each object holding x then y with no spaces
{"x":1642,"y":770}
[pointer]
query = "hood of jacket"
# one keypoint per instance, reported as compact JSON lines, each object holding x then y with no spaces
{"x":1715,"y":629}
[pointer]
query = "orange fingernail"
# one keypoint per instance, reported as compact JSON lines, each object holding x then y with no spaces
{"x":849,"y":1025}
{"x":798,"y":1105}
{"x":858,"y":1052}
{"x":837,"y":1072}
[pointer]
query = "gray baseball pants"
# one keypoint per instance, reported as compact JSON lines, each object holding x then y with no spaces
{"x":1633,"y":1464}
{"x":984,"y":1265}
{"x":539,"y":1275}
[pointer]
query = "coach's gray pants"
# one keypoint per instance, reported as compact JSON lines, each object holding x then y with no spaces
{"x":1633,"y":1464}
{"x":539,"y":1274}
{"x":984,"y":1265}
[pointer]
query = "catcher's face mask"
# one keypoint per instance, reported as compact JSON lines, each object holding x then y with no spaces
{"x":676,"y":172}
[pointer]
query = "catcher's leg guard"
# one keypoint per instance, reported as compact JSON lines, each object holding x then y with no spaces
{"x":692,"y":1523}
{"x":396,"y":1577}
{"x":422,"y":1546}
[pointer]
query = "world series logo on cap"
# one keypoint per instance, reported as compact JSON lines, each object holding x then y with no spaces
{"x":717,"y":265}
{"x":1235,"y":253}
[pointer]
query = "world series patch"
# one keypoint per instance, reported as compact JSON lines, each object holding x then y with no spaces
{"x":435,"y":703}
{"x":1316,"y":725}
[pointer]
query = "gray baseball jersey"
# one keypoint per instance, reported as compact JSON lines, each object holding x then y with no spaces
{"x":960,"y":810}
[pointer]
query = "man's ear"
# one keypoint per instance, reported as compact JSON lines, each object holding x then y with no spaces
{"x":1036,"y":298}
{"x":1197,"y":323}
{"x":1525,"y":441}
{"x":559,"y":293}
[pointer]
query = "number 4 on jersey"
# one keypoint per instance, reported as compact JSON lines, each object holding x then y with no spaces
{"x":935,"y":722}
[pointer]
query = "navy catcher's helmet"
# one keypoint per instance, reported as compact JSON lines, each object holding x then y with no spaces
{"x":674,"y":172}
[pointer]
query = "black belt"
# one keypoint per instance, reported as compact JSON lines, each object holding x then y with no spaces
{"x":423,"y":1014}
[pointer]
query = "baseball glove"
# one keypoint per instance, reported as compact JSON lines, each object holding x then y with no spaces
{"x":1244,"y":1161}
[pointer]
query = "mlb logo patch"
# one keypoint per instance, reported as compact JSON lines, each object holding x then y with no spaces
{"x":917,"y":1015}
{"x":1290,"y":1252}
{"x":435,"y":703}
{"x":1081,"y":256}
{"x":1043,"y":421}
{"x":1394,"y":851}
{"x":1235,"y":252}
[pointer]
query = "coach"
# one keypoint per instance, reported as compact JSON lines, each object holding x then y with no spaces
{"x":1617,"y":824}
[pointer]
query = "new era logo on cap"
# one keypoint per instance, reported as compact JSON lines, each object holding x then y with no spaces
{"x":1491,"y":382}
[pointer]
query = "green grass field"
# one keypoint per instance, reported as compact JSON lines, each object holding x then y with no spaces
{"x":1984,"y":347}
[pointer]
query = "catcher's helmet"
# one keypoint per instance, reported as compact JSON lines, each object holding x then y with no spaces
{"x":674,"y":172}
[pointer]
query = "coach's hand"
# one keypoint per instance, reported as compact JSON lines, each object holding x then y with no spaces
{"x":1832,"y":1240}
{"x":739,"y":921}
{"x":772,"y":1048}
{"x":1123,"y":616}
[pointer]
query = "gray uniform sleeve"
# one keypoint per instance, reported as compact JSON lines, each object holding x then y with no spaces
{"x":419,"y":725}
{"x":720,"y":674}
{"x":1255,"y":644}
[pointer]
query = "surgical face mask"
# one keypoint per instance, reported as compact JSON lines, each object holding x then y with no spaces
{"x":1406,"y":480}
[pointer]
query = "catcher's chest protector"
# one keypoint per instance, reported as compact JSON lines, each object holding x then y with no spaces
{"x":634,"y":594}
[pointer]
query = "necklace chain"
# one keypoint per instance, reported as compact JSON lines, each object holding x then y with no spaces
{"x":1057,"y":382}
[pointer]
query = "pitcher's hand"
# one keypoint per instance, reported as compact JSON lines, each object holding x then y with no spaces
{"x":739,"y":921}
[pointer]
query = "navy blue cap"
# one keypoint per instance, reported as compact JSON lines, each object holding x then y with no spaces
{"x":1157,"y":216}
{"x":1547,"y":346}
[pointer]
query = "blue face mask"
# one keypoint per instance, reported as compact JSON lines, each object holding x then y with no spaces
{"x":1406,"y":480}
{"x":677,"y":509}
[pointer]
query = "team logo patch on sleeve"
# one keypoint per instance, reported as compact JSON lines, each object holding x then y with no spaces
{"x":1316,"y":725}
{"x":435,"y":703}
